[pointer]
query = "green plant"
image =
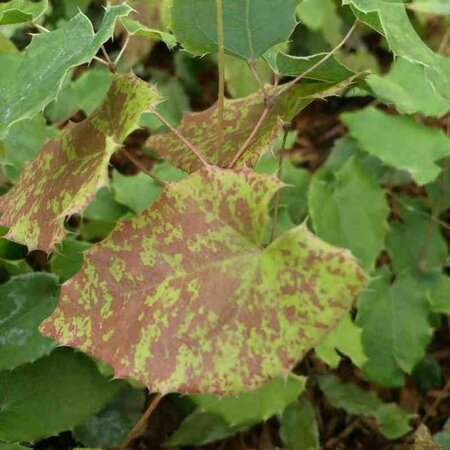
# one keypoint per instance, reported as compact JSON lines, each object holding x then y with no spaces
{"x":221,"y":260}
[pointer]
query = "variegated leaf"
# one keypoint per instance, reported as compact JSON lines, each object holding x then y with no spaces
{"x":185,"y":298}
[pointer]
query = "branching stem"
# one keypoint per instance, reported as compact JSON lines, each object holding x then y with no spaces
{"x":221,"y":65}
{"x":140,"y":166}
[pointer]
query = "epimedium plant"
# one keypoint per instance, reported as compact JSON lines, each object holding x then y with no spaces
{"x":214,"y":273}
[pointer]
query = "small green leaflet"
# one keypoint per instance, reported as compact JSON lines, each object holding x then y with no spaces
{"x":66,"y":382}
{"x":28,"y":85}
{"x":25,"y":301}
{"x":400,"y":142}
{"x":241,"y":116}
{"x":251,"y":27}
{"x":224,"y":314}
{"x":68,"y":171}
{"x":407,"y":88}
{"x":395,"y":320}
{"x":137,"y":29}
{"x":392,"y":420}
{"x":229,"y":415}
{"x":19,"y":11}
{"x":349,"y":209}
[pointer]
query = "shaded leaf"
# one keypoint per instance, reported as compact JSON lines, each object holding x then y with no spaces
{"x":28,"y":85}
{"x":66,"y":382}
{"x":25,"y":301}
{"x":137,"y":29}
{"x":224,"y":314}
{"x":400,"y":142}
{"x":251,"y":27}
{"x":68,"y":171}
{"x":18,"y":11}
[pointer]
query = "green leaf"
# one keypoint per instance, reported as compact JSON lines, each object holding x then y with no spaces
{"x":110,"y":427}
{"x":203,"y":236}
{"x":299,"y":430}
{"x":241,"y":117}
{"x":25,"y":301}
{"x":416,"y":241}
{"x":392,"y":420}
{"x":431,"y":6}
{"x":225,"y":416}
{"x":68,"y":171}
{"x":67,"y":383}
{"x":19,"y":11}
{"x":407,"y":88}
{"x":251,"y":27}
{"x":347,"y":338}
{"x":28,"y":85}
{"x":137,"y":29}
{"x":400,"y":142}
{"x":395,"y":320}
{"x":349,"y":209}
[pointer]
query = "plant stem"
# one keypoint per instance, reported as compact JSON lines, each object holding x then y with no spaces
{"x":322,"y":61}
{"x":279,"y":175}
{"x":122,"y":50}
{"x":221,"y":64}
{"x":188,"y":144}
{"x":252,"y":67}
{"x":141,"y":422}
{"x":140,"y":166}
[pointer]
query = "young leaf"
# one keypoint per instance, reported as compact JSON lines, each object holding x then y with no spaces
{"x":231,"y":414}
{"x":68,"y":171}
{"x":349,"y":209}
{"x":392,"y":420}
{"x":395,"y":320}
{"x":25,"y":301}
{"x":187,"y":283}
{"x":251,"y":27}
{"x":299,"y":430}
{"x":66,"y":382}
{"x":28,"y":85}
{"x":241,"y":116}
{"x":19,"y":11}
{"x":400,"y":142}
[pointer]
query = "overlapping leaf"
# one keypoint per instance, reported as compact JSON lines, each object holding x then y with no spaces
{"x":17,"y":11}
{"x":251,"y":27}
{"x":69,"y":170}
{"x":183,"y":297}
{"x":28,"y":85}
{"x":241,"y":117}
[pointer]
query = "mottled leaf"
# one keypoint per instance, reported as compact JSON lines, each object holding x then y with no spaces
{"x":241,"y":116}
{"x":25,"y":301}
{"x":28,"y":85}
{"x":349,"y":209}
{"x":391,"y":419}
{"x":423,"y":439}
{"x":251,"y":27}
{"x":400,"y":142}
{"x":396,"y":326}
{"x":68,"y":171}
{"x":53,"y":394}
{"x":224,"y":314}
{"x":18,"y":11}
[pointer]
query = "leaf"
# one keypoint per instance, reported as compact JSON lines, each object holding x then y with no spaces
{"x":241,"y":117}
{"x":217,"y":418}
{"x":111,"y":425}
{"x":66,"y":382}
{"x":105,"y":208}
{"x":349,"y":209}
{"x":346,"y":338}
{"x":25,"y":301}
{"x":299,"y":430}
{"x":19,"y":11}
{"x":392,"y":420}
{"x":251,"y":27}
{"x":431,"y":6}
{"x":68,"y":171}
{"x":415,"y":242}
{"x":400,"y":142}
{"x":395,"y":320}
{"x":28,"y":85}
{"x":439,"y":296}
{"x":407,"y":88}
{"x":137,"y":29}
{"x":224,"y":314}
{"x":423,"y":439}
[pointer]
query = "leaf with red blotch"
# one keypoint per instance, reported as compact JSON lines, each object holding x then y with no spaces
{"x":184,"y":297}
{"x":69,"y":170}
{"x":240,"y":116}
